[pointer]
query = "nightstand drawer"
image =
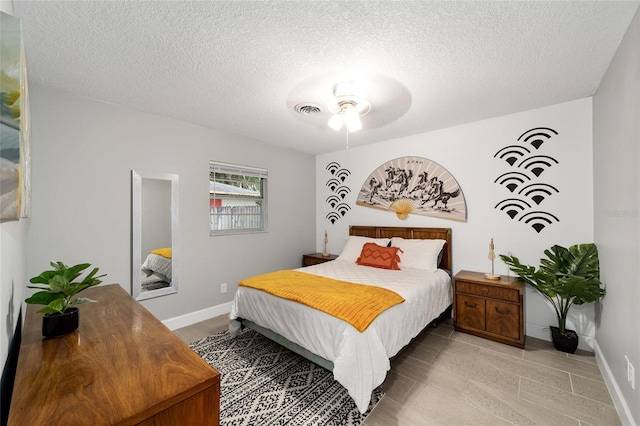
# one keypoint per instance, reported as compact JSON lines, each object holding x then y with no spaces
{"x":503,"y":319}
{"x":316,"y":258}
{"x":471,"y":311}
{"x":308,"y":261}
{"x":502,"y":293}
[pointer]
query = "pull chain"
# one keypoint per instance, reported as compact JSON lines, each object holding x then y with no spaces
{"x":347,"y":129}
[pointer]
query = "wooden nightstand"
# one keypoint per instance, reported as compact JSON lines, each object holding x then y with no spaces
{"x":490,"y":309}
{"x":315,"y":258}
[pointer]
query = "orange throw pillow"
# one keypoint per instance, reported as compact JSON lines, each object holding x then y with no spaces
{"x":379,"y":256}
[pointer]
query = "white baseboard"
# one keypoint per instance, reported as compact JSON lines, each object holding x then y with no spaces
{"x":197,"y":316}
{"x":616,"y":394}
{"x":538,"y":332}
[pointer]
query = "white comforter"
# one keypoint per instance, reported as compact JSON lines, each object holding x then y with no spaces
{"x":157,"y":265}
{"x":361,"y":360}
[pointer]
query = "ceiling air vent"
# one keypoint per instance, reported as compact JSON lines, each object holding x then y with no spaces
{"x":307,"y":109}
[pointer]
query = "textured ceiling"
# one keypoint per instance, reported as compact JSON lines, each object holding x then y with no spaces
{"x":242,"y":66}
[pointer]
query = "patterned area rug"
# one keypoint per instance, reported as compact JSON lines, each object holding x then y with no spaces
{"x":263,"y":383}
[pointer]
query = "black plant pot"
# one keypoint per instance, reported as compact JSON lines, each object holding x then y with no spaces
{"x":54,"y":325}
{"x":567,"y":342}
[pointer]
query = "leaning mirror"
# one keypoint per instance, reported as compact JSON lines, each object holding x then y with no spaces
{"x":154,"y":234}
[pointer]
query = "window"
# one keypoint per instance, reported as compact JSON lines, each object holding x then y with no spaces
{"x":237,"y":198}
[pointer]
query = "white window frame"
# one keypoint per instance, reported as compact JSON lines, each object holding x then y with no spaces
{"x":239,"y":170}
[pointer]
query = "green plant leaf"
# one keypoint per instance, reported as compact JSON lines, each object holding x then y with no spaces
{"x":42,"y":298}
{"x":59,"y":283}
{"x":566,"y":277}
{"x":44,"y":277}
{"x":55,"y":306}
{"x":48,"y":310}
{"x":57,"y":266}
{"x":89,"y":277}
{"x":74,"y":272}
{"x":80,"y":301}
{"x":39,"y":287}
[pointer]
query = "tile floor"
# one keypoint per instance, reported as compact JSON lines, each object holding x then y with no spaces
{"x":449,"y":378}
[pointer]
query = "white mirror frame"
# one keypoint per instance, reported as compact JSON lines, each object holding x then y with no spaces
{"x":137,"y":178}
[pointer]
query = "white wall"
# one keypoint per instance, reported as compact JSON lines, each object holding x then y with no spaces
{"x":467,"y":152}
{"x":12,"y":265}
{"x":156,"y":215}
{"x":83,"y":154}
{"x":616,"y":138}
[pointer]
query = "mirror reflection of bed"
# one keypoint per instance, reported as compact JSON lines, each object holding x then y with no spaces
{"x":155,"y":218}
{"x":156,"y":270}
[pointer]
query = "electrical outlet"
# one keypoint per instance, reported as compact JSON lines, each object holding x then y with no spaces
{"x":631,"y":373}
{"x":223,"y":288}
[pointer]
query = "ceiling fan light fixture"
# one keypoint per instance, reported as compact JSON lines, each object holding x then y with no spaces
{"x":352,"y":119}
{"x":335,"y":122}
{"x":347,"y":107}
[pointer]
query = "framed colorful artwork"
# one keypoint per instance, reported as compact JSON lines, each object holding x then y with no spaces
{"x":14,"y":125}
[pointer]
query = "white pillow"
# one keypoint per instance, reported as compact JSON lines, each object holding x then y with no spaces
{"x":353,"y":248}
{"x":419,"y":254}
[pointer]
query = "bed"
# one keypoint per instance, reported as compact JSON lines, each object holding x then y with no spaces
{"x":359,"y":360}
{"x":157,"y":265}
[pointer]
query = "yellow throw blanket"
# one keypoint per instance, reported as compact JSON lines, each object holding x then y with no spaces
{"x":357,"y":304}
{"x":164,"y":252}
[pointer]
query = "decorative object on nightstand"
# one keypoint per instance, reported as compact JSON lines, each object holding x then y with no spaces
{"x":489,"y":308}
{"x":326,"y":240}
{"x":568,"y":277}
{"x":492,"y":257}
{"x":315,"y":258}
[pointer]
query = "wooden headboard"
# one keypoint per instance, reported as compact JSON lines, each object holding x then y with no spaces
{"x":409,"y":233}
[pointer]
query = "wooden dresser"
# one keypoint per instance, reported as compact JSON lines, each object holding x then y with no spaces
{"x":490,"y":309}
{"x":121,"y":367}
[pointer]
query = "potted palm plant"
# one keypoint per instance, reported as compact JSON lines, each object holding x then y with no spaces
{"x":57,"y":290}
{"x":569,"y":276}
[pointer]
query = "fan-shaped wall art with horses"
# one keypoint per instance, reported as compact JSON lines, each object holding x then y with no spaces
{"x":414,"y":185}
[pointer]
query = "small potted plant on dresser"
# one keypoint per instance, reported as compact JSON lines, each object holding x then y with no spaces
{"x":57,"y":290}
{"x":569,"y":276}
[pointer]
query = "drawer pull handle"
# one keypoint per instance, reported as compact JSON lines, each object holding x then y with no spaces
{"x":485,"y":290}
{"x":470,"y":305}
{"x":503,"y":311}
